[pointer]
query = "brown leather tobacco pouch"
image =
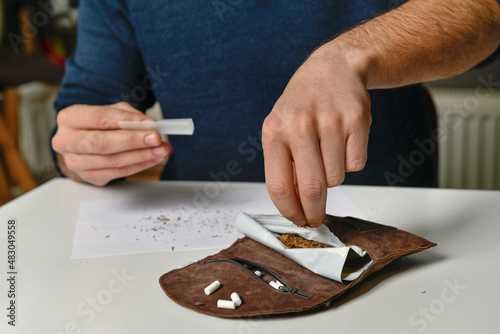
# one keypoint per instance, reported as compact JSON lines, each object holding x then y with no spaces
{"x":235,"y":268}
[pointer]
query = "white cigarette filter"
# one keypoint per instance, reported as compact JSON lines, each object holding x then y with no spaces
{"x":275,"y":285}
{"x":228,"y":304}
{"x":236,"y":298}
{"x":212,"y":287}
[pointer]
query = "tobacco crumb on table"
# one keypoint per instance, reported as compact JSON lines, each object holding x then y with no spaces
{"x":295,"y":241}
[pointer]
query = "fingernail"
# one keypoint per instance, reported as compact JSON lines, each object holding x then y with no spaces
{"x":152,"y":140}
{"x":159,"y":151}
{"x":317,"y":223}
{"x":301,"y":223}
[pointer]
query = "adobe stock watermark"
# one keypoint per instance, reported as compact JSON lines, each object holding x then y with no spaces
{"x":39,"y":19}
{"x":87,"y":310}
{"x":422,"y":318}
{"x":222,"y":7}
{"x":249,"y":150}
{"x":142,"y":91}
{"x":454,"y":116}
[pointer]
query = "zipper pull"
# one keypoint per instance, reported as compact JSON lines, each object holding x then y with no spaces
{"x":293,"y":290}
{"x":289,"y":289}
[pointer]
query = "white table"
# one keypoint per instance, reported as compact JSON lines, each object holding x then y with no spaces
{"x":452,"y":288}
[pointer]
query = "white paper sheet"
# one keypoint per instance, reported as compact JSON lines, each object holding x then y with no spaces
{"x":174,"y":221}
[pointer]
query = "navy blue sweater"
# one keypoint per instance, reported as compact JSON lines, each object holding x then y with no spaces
{"x":224,"y":64}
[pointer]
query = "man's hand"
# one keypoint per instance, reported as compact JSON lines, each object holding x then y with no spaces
{"x":92,"y":148}
{"x":317,"y":131}
{"x":319,"y":127}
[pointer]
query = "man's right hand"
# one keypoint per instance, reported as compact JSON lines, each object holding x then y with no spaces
{"x":92,"y":148}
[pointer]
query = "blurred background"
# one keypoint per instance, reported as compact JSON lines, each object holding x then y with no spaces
{"x":36,"y":36}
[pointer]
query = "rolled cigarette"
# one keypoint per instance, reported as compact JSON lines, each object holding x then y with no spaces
{"x":212,"y":287}
{"x":236,"y":298}
{"x":181,"y":126}
{"x":228,"y":304}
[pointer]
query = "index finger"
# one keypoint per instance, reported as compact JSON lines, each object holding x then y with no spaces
{"x":98,"y":117}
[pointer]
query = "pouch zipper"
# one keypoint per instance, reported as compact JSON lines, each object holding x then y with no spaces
{"x":286,"y":287}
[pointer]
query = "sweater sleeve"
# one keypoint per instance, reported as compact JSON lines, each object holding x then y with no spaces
{"x":107,"y":66}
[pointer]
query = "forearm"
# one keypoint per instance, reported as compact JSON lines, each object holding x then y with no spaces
{"x":420,"y":41}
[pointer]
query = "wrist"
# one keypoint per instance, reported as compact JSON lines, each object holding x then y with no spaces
{"x":350,"y":56}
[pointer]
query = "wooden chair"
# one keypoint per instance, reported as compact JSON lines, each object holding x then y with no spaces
{"x":16,"y":168}
{"x":17,"y":69}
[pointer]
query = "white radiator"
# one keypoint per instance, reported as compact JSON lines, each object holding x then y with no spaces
{"x":36,"y":120}
{"x":469,"y":149}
